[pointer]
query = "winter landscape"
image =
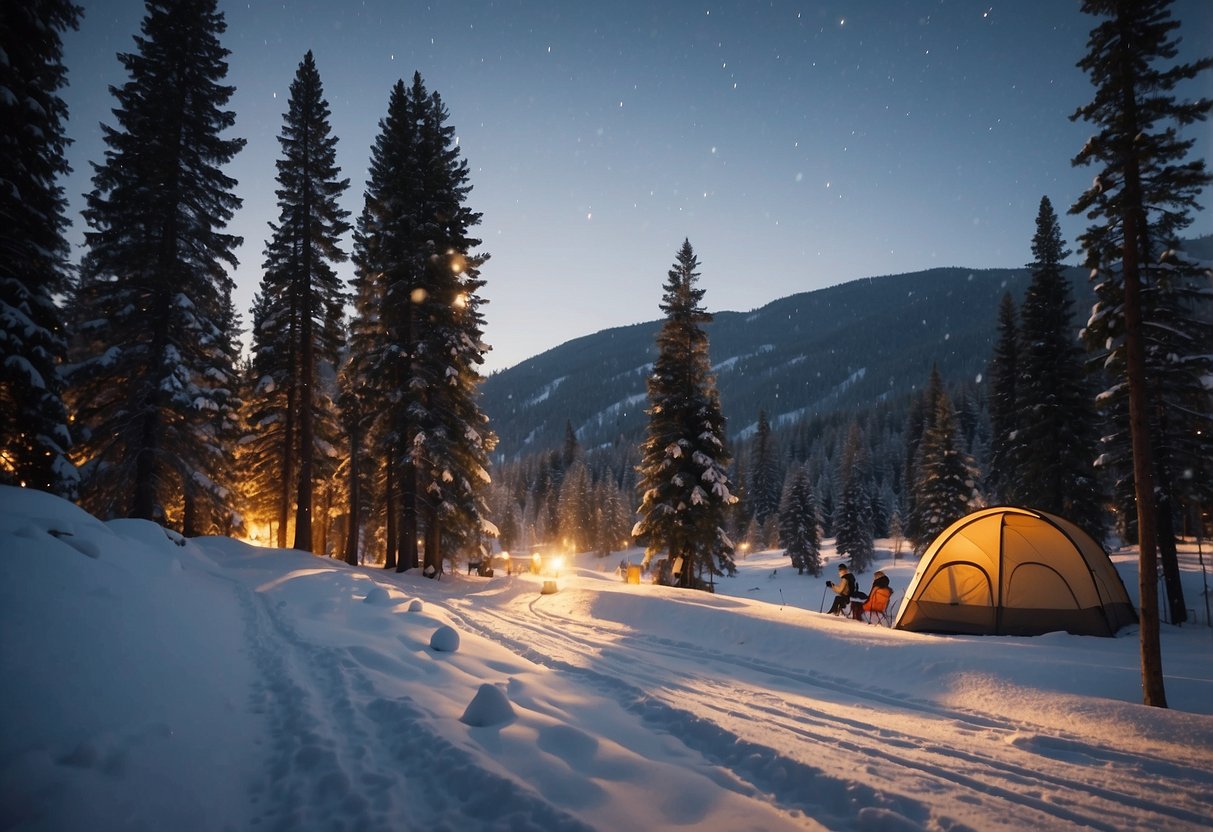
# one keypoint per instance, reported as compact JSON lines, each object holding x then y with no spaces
{"x":156,"y":683}
{"x":261,"y":471}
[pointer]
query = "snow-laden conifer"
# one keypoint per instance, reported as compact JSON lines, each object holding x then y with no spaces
{"x":1003,"y":374}
{"x":34,"y":435}
{"x":297,"y":334}
{"x":853,"y":520}
{"x":411,"y":384}
{"x":684,"y":484}
{"x":798,"y":525}
{"x":765,"y":479}
{"x":1056,"y":435}
{"x":944,"y":487}
{"x":153,"y":378}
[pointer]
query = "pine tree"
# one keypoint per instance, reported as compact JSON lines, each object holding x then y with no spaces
{"x":420,"y":329}
{"x":300,"y":297}
{"x":944,"y":491}
{"x":373,"y":381}
{"x":684,"y":484}
{"x":1001,"y":476}
{"x":572,"y":448}
{"x":923,"y":410}
{"x":577,"y":508}
{"x":453,"y":440}
{"x":765,"y":479}
{"x":798,"y":523}
{"x":153,"y":358}
{"x":1140,"y":200}
{"x":34,"y":435}
{"x":1056,"y":440}
{"x":853,"y":517}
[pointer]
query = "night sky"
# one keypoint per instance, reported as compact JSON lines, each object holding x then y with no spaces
{"x":796,"y":144}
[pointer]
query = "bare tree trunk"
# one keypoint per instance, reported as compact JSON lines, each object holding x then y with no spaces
{"x":1153,"y":692}
{"x":408,"y":519}
{"x":354,"y":518}
{"x":433,"y":543}
{"x":389,"y":559}
{"x":307,"y":361}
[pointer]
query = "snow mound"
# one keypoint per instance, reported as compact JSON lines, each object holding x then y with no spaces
{"x":377,"y":595}
{"x":490,"y":706}
{"x":444,"y":640}
{"x":84,"y":546}
{"x":415,"y":605}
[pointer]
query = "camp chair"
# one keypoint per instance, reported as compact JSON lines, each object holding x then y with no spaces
{"x":877,"y":606}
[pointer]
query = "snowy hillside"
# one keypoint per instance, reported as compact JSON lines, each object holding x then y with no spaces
{"x":839,"y":349}
{"x":153,"y":683}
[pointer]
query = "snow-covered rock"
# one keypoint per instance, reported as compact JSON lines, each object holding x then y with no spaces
{"x":445,"y":640}
{"x":377,"y":595}
{"x":490,"y":706}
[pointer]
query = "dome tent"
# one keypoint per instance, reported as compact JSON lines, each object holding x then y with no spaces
{"x":1015,"y":571}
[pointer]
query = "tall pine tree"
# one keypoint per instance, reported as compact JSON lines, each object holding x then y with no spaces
{"x":853,"y":516}
{"x":1140,"y":199}
{"x":300,"y":296}
{"x":1056,"y":436}
{"x":798,"y":526}
{"x":154,"y":374}
{"x":418,"y":335}
{"x":765,"y":479}
{"x":34,"y":436}
{"x":451,"y":438}
{"x":684,"y":484}
{"x":944,"y":489}
{"x":923,"y":409}
{"x":1001,"y":475}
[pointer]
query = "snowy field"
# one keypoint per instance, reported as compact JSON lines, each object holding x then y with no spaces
{"x":152,"y":683}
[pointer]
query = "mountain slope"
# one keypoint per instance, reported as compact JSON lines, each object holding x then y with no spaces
{"x":838,"y":348}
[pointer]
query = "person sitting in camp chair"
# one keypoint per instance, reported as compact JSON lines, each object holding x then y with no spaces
{"x":859,"y":599}
{"x":843,"y":590}
{"x":876,"y":607}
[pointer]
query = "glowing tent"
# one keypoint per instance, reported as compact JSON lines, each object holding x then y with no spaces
{"x":1015,"y":571}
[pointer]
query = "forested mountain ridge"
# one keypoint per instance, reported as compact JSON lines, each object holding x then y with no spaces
{"x":845,"y":347}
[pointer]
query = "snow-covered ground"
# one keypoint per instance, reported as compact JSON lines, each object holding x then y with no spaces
{"x":152,"y":683}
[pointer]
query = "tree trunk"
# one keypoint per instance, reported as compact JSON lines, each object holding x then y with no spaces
{"x":433,"y":543}
{"x":354,"y":520}
{"x":288,"y":465}
{"x":1168,"y":556}
{"x":189,"y":514}
{"x":408,"y":519}
{"x":1168,"y":553}
{"x":389,"y":559}
{"x":307,"y":358}
{"x":143,"y":499}
{"x":1153,"y":692}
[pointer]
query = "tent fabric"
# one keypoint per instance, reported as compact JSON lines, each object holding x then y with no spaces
{"x":1015,"y":571}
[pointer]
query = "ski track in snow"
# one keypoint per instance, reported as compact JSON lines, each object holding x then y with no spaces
{"x":330,"y":733}
{"x":1011,"y":774}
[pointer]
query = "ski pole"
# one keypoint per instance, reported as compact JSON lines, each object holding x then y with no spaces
{"x":822,"y":605}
